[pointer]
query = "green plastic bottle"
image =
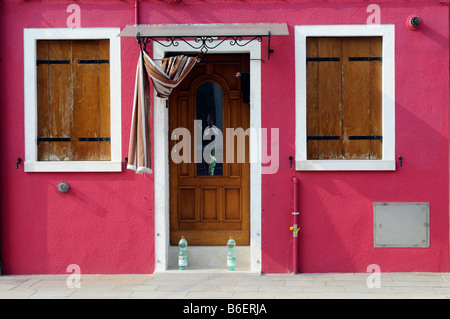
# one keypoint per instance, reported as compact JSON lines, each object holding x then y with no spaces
{"x":231,"y":255}
{"x":182,"y":255}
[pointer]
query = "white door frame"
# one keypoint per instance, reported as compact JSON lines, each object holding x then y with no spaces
{"x":161,"y":156}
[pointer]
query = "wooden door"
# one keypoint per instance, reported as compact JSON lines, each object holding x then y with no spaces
{"x":209,"y":200}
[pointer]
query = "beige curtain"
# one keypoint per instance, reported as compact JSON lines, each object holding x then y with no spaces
{"x":172,"y":72}
{"x":165,"y":78}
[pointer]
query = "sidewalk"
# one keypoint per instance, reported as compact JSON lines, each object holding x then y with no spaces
{"x":229,"y":285}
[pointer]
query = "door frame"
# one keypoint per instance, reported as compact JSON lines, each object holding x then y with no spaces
{"x":161,"y":156}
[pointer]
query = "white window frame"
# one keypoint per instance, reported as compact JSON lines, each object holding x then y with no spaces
{"x":388,"y":97}
{"x":31,"y":36}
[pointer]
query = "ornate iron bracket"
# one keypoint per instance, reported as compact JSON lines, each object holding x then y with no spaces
{"x":202,"y":43}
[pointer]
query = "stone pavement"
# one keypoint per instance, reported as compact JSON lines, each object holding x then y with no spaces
{"x":229,"y":285}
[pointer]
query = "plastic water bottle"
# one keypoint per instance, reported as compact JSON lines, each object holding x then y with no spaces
{"x":182,"y":255}
{"x":231,"y":255}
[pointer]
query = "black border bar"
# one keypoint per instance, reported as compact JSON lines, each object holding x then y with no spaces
{"x":322,"y":138}
{"x":368,"y":58}
{"x":52,"y":62}
{"x":365,"y":137}
{"x":92,"y":61}
{"x":323,"y":59}
{"x":53,"y":139}
{"x":94,"y":139}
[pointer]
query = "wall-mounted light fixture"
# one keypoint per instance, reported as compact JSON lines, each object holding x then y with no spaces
{"x":63,"y":187}
{"x":414,"y":22}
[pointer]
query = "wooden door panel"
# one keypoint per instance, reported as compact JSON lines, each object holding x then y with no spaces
{"x":208,"y":181}
{"x":232,"y":196}
{"x":210,"y":226}
{"x":210,"y":199}
{"x":186,"y":212}
{"x":208,"y":209}
{"x":223,"y":70}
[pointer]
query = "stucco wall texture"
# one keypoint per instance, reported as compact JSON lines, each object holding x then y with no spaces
{"x":105,"y":222}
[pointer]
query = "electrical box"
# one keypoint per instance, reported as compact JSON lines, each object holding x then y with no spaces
{"x":401,"y":224}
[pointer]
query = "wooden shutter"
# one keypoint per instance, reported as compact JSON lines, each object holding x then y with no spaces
{"x":73,"y":100}
{"x":344,"y":98}
{"x":324,"y":87}
{"x":54,"y":100}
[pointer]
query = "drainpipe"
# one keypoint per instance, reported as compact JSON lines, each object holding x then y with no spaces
{"x":136,"y":12}
{"x":295,"y":227}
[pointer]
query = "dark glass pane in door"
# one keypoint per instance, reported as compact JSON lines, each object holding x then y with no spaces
{"x":210,"y":112}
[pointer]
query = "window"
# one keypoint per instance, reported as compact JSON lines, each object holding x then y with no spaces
{"x":209,"y":111}
{"x":72,"y":100}
{"x":344,"y":98}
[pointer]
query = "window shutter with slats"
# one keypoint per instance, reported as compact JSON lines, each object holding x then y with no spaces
{"x":344,"y":98}
{"x":73,"y":100}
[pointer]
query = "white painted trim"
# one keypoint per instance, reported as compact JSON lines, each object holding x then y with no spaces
{"x":347,"y":165}
{"x":161,"y":157}
{"x":30,"y":98}
{"x":73,"y":166}
{"x":388,"y":99}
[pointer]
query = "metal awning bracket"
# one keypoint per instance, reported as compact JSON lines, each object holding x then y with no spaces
{"x":204,"y":37}
{"x":269,"y":50}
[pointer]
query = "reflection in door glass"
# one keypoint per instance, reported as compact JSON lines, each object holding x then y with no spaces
{"x":209,"y":111}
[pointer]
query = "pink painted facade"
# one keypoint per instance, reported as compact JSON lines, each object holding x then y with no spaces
{"x":106,"y":224}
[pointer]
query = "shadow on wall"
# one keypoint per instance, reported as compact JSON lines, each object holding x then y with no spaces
{"x":336,"y":208}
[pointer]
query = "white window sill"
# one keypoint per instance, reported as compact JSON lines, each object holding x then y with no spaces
{"x":73,"y":166}
{"x":345,"y":165}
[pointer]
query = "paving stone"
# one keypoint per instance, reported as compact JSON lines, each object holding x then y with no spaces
{"x":225,"y":285}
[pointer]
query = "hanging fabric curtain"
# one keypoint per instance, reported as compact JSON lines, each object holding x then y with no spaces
{"x":165,"y":78}
{"x":172,"y":72}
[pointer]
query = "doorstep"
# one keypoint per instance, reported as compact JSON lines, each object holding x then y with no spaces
{"x":205,"y":270}
{"x":210,"y":259}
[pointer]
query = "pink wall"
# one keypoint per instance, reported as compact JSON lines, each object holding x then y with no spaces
{"x":105,"y":223}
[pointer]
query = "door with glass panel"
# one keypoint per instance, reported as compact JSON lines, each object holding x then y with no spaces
{"x":209,"y":154}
